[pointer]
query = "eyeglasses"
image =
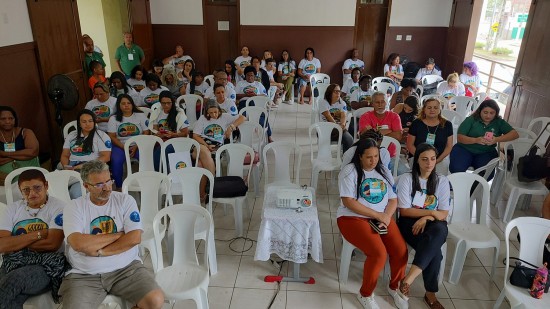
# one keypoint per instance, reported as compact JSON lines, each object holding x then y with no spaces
{"x":101,"y":185}
{"x":165,"y":103}
{"x":36,"y":189}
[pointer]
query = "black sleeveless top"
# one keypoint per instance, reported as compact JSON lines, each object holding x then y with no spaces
{"x":19,"y":142}
{"x":406,"y":118}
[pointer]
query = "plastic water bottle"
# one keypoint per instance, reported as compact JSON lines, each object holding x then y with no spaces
{"x":537,"y":289}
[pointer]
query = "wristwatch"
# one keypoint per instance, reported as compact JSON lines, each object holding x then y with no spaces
{"x":99,"y":252}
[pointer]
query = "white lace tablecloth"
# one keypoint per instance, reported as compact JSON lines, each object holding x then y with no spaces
{"x":288,"y":233}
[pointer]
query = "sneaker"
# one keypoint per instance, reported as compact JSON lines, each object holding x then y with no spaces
{"x":403,"y":290}
{"x":399,"y":301}
{"x":367,"y":302}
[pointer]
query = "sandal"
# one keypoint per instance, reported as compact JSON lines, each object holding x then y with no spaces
{"x":434,"y":305}
{"x":404,"y":289}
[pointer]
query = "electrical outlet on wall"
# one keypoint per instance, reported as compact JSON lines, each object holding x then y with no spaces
{"x":408,"y":37}
{"x":399,"y":37}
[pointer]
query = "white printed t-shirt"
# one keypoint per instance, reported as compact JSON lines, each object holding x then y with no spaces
{"x":103,"y":110}
{"x":214,"y":129}
{"x":447,"y":92}
{"x":438,"y":201}
{"x":242,"y":62}
{"x":374,"y":193}
{"x":101,"y":142}
{"x":162,"y":122}
{"x":199,"y":89}
{"x":350,"y":64}
{"x":148,"y":97}
{"x":470,"y":80}
{"x":286,"y":67}
{"x":333,"y":109}
{"x":423,"y":72}
{"x":229,"y":92}
{"x":359,"y":95}
{"x":120,"y":214}
{"x":228,"y":106}
{"x":250,"y":89}
{"x":182,"y":59}
{"x":129,"y":126}
{"x":18,"y":220}
{"x":309,"y":66}
{"x":138,"y":85}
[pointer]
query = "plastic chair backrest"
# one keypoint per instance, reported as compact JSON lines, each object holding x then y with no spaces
{"x":381,"y":79}
{"x":356,"y":116}
{"x":71,"y":126}
{"x":419,"y":90}
{"x":430,"y":79}
{"x":180,"y":144}
{"x":452,"y":116}
{"x":525,"y":133}
{"x":146,"y":110}
{"x":151,"y":186}
{"x":252,"y":134}
{"x":188,"y":181}
{"x":236,"y":154}
{"x":10,"y":179}
{"x":324,"y":131}
{"x":487,"y":169}
{"x":254,"y":113}
{"x":319,"y":78}
{"x":386,"y":142}
{"x":387,"y":88}
{"x":58,"y":183}
{"x":189,"y":105}
{"x":463,"y":104}
{"x":209,"y":79}
{"x":441,"y":99}
{"x":462,"y":207}
{"x":444,"y":83}
{"x":282,"y":151}
{"x":321,"y":89}
{"x":537,"y":125}
{"x":260,"y":101}
{"x":183,"y":218}
{"x":533,"y":232}
{"x":146,"y":146}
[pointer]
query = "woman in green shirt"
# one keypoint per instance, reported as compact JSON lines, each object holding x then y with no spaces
{"x":477,"y":138}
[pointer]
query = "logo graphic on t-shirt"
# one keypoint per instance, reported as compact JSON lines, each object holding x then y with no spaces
{"x":128,"y":129}
{"x":103,"y":225}
{"x":232,"y":96}
{"x":233,"y":110}
{"x":77,"y":148}
{"x":352,"y":66}
{"x":373,"y":190}
{"x":250,"y":90}
{"x":430,"y":203}
{"x":286,"y":69}
{"x":59,"y":220}
{"x":102,"y":111}
{"x":134,"y":216}
{"x":353,"y":88}
{"x":449,"y":95}
{"x":108,"y":144}
{"x":214,"y":132}
{"x":163,"y":125}
{"x":365,"y":97}
{"x":244,"y":63}
{"x":29,"y":225}
{"x":310,"y":68}
{"x":138,"y":87}
{"x":151,"y":99}
{"x":335,"y":113}
{"x":181,"y":164}
{"x":197,"y":92}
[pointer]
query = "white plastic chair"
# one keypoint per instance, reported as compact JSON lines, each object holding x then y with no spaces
{"x":321,"y":90}
{"x":480,"y":97}
{"x":260,"y":101}
{"x":441,"y":99}
{"x":386,"y":142}
{"x":533,"y":232}
{"x":430,"y":79}
{"x":252,"y":135}
{"x":45,"y":301}
{"x":525,"y":133}
{"x":151,"y":186}
{"x":209,"y":79}
{"x":71,"y":126}
{"x":146,"y":146}
{"x":254,"y":114}
{"x":319,"y":78}
{"x":381,"y":79}
{"x":419,"y":90}
{"x":463,"y":105}
{"x":236,"y":154}
{"x":387,"y":88}
{"x":355,"y":118}
{"x":487,"y":170}
{"x":59,"y":181}
{"x":536,"y":125}
{"x":324,"y":161}
{"x":188,"y":183}
{"x":146,"y":110}
{"x":454,"y":117}
{"x":185,"y":278}
{"x":521,"y":147}
{"x":10,"y":179}
{"x":189,"y":105}
{"x":282,"y":152}
{"x":469,"y":235}
{"x":180,"y":144}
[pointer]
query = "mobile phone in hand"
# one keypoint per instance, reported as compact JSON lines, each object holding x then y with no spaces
{"x":488,"y":136}
{"x":375,"y":224}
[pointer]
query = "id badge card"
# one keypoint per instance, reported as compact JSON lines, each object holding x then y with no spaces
{"x":130,"y":56}
{"x":9,"y":147}
{"x":430,"y":138}
{"x":419,"y":199}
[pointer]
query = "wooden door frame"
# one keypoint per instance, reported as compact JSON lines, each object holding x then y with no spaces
{"x":205,"y":3}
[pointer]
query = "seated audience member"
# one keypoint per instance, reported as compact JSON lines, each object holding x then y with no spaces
{"x":352,"y":63}
{"x":362,"y":97}
{"x":103,"y":230}
{"x":85,"y":144}
{"x":387,"y":122}
{"x":452,"y":88}
{"x":367,"y":195}
{"x":241,"y":63}
{"x":229,"y":90}
{"x":170,"y":80}
{"x":261,"y":74}
{"x":98,"y":74}
{"x":31,"y":235}
{"x":226,"y":104}
{"x":197,"y":85}
{"x":231,"y":71}
{"x":375,"y":135}
{"x":307,"y":66}
{"x":286,"y":71}
{"x":176,"y":58}
{"x":150,"y":95}
{"x":477,"y":137}
{"x":103,"y":105}
{"x":394,"y":70}
{"x":407,"y":111}
{"x":136,"y":78}
{"x":186,"y":72}
{"x":423,"y":197}
{"x":351,"y":84}
{"x":276,"y":89}
{"x":333,"y":109}
{"x":470,"y":79}
{"x":158,"y":67}
{"x":119,"y":85}
{"x":428,"y":69}
{"x":128,"y":121}
{"x":19,"y":146}
{"x":263,"y":63}
{"x":90,"y":55}
{"x":408,"y":87}
{"x":432,"y":128}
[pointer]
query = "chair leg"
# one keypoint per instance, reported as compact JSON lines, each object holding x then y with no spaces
{"x":212,"y":260}
{"x":314,"y":179}
{"x":345,"y":260}
{"x":256,"y":179}
{"x":238,"y":214}
{"x":458,"y":262}
{"x":511,"y":205}
{"x":499,"y":300}
{"x":495,"y":260}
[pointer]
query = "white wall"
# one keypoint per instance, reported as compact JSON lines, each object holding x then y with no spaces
{"x":15,"y":25}
{"x":420,"y":13}
{"x":298,"y":13}
{"x":176,"y":12}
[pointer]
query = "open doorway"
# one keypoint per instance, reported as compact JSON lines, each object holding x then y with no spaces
{"x":105,"y":21}
{"x":499,"y":35}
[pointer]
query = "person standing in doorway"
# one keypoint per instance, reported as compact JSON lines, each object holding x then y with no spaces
{"x":90,"y":55}
{"x":128,"y":55}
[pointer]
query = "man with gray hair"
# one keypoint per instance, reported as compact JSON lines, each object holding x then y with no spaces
{"x":103,"y":229}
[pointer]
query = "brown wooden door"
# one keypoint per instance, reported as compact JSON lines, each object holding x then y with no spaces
{"x":370,"y":32}
{"x":56,"y":31}
{"x":222,"y":41}
{"x":142,"y":30}
{"x":457,"y":35}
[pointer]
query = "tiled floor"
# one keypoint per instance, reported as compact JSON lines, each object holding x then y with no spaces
{"x":239,"y":281}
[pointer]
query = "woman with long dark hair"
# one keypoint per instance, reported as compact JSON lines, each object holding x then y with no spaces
{"x":333,"y":109}
{"x":307,"y":66}
{"x":119,"y":85}
{"x":231,"y":71}
{"x":394,"y":70}
{"x":287,"y":71}
{"x":423,"y":197}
